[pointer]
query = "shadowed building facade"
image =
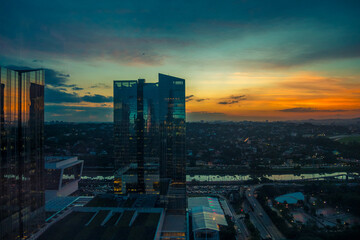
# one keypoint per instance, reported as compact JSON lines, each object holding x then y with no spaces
{"x":22,"y":196}
{"x":149,"y":128}
{"x":172,"y":141}
{"x":136,"y":133}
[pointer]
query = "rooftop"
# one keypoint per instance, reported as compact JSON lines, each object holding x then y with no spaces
{"x":58,"y":162}
{"x":58,"y":203}
{"x":104,"y":224}
{"x":206,"y":213}
{"x":212,"y":203}
{"x":290,"y":198}
{"x":174,"y":223}
{"x":205,"y":217}
{"x":204,"y":220}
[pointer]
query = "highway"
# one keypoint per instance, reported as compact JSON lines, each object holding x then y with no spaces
{"x":260,"y":216}
{"x":264,"y":234}
{"x":244,"y":233}
{"x":241,"y":226}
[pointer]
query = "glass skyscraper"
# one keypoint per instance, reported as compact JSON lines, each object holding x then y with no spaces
{"x":172,"y":142}
{"x":22,"y":196}
{"x":149,"y":127}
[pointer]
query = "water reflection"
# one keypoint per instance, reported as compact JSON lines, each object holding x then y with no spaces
{"x":274,"y":177}
{"x":239,"y":177}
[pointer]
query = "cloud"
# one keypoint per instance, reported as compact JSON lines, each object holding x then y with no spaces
{"x":53,"y":95}
{"x":57,"y":86}
{"x":77,"y":88}
{"x":100,"y":85}
{"x":202,"y":99}
{"x":109,"y":30}
{"x":78,"y":114}
{"x":228,"y":102}
{"x":52,"y":77}
{"x":233,"y":99}
{"x":189,"y":98}
{"x":193,"y":98}
{"x":56,"y":79}
{"x":310,"y":110}
{"x":239,"y":97}
{"x":96,"y":98}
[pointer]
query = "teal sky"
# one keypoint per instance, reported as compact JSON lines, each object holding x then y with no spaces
{"x":242,"y":60}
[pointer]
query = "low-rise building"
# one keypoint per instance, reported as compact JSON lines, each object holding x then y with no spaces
{"x":62,"y":176}
{"x":206,"y":216}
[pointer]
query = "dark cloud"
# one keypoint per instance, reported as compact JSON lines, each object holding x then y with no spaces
{"x":233,"y":99}
{"x":91,"y":31}
{"x":202,"y":99}
{"x":56,"y":79}
{"x":78,"y":114}
{"x":96,"y":98}
{"x":100,"y":85}
{"x":53,"y":95}
{"x":309,"y":110}
{"x":193,"y":98}
{"x":52,"y":77}
{"x":77,"y":88}
{"x":57,"y":86}
{"x":228,"y":102}
{"x":238,"y":97}
{"x":317,"y":51}
{"x":189,"y":98}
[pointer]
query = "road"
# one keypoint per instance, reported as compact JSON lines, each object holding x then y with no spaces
{"x":261,"y":215}
{"x":244,"y":233}
{"x":241,"y":225}
{"x":264,"y":234}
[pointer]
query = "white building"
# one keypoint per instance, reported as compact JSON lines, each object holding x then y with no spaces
{"x":206,"y":215}
{"x":62,"y":175}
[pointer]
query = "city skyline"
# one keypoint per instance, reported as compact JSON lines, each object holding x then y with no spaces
{"x":242,"y":60}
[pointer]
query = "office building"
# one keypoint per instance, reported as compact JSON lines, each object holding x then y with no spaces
{"x":134,"y":128}
{"x":149,"y":130}
{"x":22,"y":196}
{"x":149,"y":127}
{"x":172,"y":142}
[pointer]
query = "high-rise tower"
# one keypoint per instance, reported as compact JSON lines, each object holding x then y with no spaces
{"x":22,"y":196}
{"x":149,"y":128}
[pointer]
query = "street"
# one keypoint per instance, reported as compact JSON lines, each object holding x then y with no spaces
{"x":260,"y":215}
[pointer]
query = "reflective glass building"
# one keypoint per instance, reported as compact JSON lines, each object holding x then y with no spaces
{"x":136,"y":131}
{"x":22,"y":196}
{"x":149,"y":127}
{"x":172,"y":141}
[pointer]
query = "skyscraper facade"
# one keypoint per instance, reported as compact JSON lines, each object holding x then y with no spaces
{"x":22,"y":197}
{"x":149,"y":127}
{"x":172,"y":142}
{"x":125,"y":115}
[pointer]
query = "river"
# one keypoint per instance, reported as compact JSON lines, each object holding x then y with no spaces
{"x":106,"y":175}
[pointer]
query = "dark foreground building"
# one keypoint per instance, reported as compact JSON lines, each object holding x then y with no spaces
{"x":149,"y":128}
{"x":22,"y":196}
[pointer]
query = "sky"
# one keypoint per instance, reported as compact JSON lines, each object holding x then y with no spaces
{"x":242,"y":60}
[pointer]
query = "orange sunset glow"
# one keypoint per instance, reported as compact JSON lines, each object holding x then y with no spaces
{"x":241,"y":61}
